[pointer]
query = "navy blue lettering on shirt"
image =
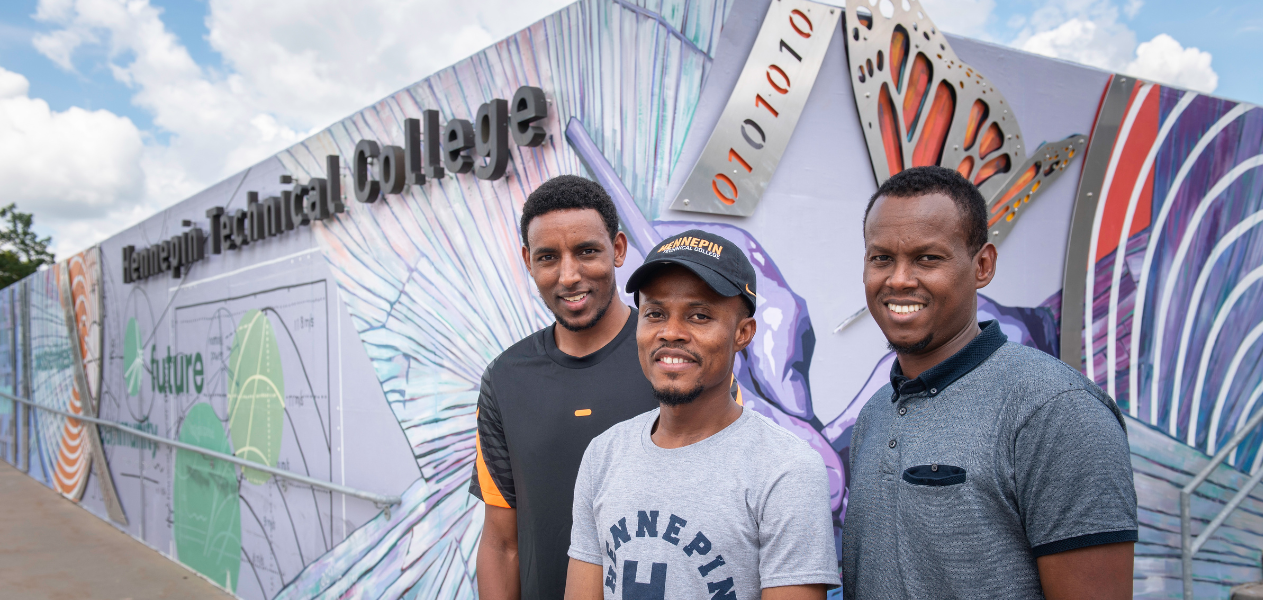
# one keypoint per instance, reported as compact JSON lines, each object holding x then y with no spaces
{"x":635,"y":585}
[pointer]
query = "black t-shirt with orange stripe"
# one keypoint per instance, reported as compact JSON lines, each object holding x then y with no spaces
{"x":537,"y":410}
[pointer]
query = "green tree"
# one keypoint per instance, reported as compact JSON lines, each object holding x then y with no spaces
{"x":21,"y":251}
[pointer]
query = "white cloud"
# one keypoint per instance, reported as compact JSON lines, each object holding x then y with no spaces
{"x":76,"y":170}
{"x":1164,"y":59}
{"x":1091,"y":33}
{"x":1081,"y":31}
{"x":961,"y":17}
{"x":291,"y":67}
{"x":1103,"y":45}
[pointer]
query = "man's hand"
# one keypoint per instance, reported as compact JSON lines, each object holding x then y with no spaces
{"x":1094,"y":573}
{"x":583,"y":581}
{"x":795,"y":592}
{"x":498,"y":577}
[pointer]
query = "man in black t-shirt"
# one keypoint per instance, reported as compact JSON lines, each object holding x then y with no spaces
{"x":547,"y":396}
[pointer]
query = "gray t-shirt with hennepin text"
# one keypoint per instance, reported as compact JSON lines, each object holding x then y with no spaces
{"x":742,"y":510}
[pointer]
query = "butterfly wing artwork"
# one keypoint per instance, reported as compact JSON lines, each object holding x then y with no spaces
{"x":1047,"y":164}
{"x":920,"y":105}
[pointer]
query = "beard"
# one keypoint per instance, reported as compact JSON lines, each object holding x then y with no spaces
{"x":669,"y":397}
{"x":600,"y":313}
{"x":911,"y":349}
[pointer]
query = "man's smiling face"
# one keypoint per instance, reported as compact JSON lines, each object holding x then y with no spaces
{"x":572,"y":260}
{"x":688,"y":335}
{"x":920,"y":277}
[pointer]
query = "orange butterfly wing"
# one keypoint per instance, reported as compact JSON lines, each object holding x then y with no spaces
{"x":919,"y":105}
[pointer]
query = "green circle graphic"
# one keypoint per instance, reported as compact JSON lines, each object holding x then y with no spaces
{"x":207,"y":510}
{"x":256,"y":394}
{"x":133,"y":358}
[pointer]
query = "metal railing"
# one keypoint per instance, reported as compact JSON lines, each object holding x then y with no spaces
{"x":1190,"y":545}
{"x":380,"y":500}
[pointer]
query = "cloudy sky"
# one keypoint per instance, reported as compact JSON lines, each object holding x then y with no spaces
{"x":113,"y":109}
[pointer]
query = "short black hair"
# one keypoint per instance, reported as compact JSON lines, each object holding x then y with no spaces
{"x":566,"y":192}
{"x":919,"y":181}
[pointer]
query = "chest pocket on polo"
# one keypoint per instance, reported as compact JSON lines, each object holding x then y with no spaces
{"x":934,"y":475}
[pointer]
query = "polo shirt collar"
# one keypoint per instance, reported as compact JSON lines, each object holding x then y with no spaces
{"x":937,"y":378}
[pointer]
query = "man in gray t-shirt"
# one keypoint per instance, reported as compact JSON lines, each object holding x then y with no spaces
{"x":699,"y":498}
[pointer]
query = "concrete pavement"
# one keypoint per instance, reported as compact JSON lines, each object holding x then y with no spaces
{"x":51,"y":548}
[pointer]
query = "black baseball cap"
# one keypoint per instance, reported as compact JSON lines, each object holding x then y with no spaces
{"x":718,"y":261}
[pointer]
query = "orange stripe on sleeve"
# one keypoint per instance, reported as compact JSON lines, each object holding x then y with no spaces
{"x":490,"y":491}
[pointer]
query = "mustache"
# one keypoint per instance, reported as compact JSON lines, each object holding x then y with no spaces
{"x":882,"y":299}
{"x":697,"y":358}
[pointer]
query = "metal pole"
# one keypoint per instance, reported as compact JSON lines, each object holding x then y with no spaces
{"x":13,"y":363}
{"x":24,"y":420}
{"x":1186,"y":545}
{"x":1232,"y":505}
{"x":379,"y":499}
{"x":1189,"y":546}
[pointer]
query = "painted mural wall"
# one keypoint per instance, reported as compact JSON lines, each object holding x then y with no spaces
{"x":350,"y":351}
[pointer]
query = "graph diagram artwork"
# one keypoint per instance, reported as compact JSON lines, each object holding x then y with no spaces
{"x":257,"y":363}
{"x":207,"y":511}
{"x":256,"y":394}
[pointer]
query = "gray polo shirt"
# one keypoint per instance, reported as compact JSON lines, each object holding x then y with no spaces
{"x":962,"y":477}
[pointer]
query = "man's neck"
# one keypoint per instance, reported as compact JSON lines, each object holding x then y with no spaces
{"x":913,"y":365}
{"x":685,"y":424}
{"x":583,"y":343}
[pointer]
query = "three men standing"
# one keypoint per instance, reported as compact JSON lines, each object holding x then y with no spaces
{"x":985,"y":469}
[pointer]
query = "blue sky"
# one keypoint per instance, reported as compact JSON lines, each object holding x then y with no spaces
{"x":155,"y":101}
{"x":1230,"y":30}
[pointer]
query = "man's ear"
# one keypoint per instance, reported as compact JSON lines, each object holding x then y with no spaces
{"x":984,"y":265}
{"x":746,"y":328}
{"x":526,"y":257}
{"x":620,"y":249}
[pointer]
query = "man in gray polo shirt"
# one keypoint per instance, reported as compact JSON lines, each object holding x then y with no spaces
{"x":985,"y":469}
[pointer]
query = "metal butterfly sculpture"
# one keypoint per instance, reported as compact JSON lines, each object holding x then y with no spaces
{"x":921,"y":105}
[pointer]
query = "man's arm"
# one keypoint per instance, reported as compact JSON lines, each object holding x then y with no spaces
{"x":492,"y":482}
{"x":1093,"y":573}
{"x":583,"y":581}
{"x":1074,"y":483}
{"x":795,"y":592}
{"x":498,"y":577}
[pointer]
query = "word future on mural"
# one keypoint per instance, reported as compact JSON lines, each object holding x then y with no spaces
{"x":480,"y":147}
{"x":754,"y":129}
